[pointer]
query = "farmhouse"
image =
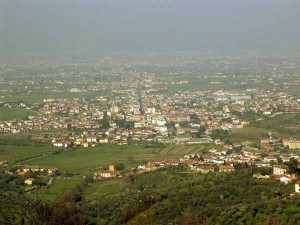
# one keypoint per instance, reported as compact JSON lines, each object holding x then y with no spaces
{"x":297,"y":187}
{"x":49,"y":170}
{"x":280,"y":170}
{"x":292,"y":143}
{"x":226,"y":168}
{"x":29,"y":181}
{"x":105,"y":174}
{"x":205,"y":169}
{"x":4,"y":163}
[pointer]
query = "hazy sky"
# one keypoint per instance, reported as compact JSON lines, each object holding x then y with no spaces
{"x":59,"y":26}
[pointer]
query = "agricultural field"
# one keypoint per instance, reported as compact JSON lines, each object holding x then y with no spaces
{"x":176,"y":151}
{"x":99,"y":189}
{"x":82,"y":161}
{"x":58,"y":188}
{"x":14,"y":113}
{"x":16,"y":153}
{"x":252,"y":134}
{"x":85,"y":160}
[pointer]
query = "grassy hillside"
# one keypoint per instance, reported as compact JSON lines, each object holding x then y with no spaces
{"x":283,"y":125}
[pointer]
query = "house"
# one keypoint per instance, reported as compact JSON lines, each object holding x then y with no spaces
{"x":49,"y":170}
{"x":226,"y":168}
{"x":297,"y":187}
{"x":103,"y":140}
{"x":147,"y":167}
{"x":85,"y":144}
{"x":262,"y":164}
{"x":58,"y":144}
{"x":92,"y":139}
{"x":190,"y":162}
{"x":284,"y":178}
{"x":292,"y":143}
{"x":285,"y":157}
{"x":106,"y":174}
{"x":280,"y":169}
{"x":29,"y":181}
{"x":270,"y":159}
{"x":267,"y":146}
{"x":4,"y":163}
{"x":205,"y":169}
{"x":111,"y":168}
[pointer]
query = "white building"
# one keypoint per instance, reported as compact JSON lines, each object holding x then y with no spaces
{"x":297,"y":187}
{"x":280,"y":170}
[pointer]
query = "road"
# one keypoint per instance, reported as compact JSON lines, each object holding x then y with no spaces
{"x":50,"y":181}
{"x":140,"y":96}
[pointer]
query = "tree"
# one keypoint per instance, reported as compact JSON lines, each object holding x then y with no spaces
{"x":194,"y":119}
{"x":69,"y":127}
{"x":293,"y":166}
{"x":279,"y":161}
{"x":201,"y":131}
{"x":120,"y":167}
{"x":105,"y":122}
{"x":184,"y":124}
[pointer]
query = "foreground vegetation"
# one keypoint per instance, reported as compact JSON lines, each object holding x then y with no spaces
{"x":169,"y":196}
{"x":165,"y":197}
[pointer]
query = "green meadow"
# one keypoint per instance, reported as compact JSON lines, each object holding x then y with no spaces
{"x":15,"y":153}
{"x":14,"y":113}
{"x":58,"y":188}
{"x":84,"y":160}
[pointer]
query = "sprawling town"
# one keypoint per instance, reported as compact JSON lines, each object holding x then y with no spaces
{"x":199,"y":115}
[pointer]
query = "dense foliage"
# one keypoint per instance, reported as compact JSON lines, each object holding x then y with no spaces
{"x":168,"y":196}
{"x":171,"y":197}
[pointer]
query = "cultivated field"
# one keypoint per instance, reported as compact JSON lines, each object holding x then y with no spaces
{"x":15,"y":153}
{"x":82,"y":161}
{"x":85,"y":160}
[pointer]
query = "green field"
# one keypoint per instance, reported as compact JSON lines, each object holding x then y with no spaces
{"x":99,"y":189}
{"x":87,"y":160}
{"x":84,"y":160}
{"x":14,"y":153}
{"x":14,"y":113}
{"x":253,"y":134}
{"x":58,"y":188}
{"x":176,"y":151}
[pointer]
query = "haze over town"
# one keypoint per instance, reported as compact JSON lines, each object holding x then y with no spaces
{"x":149,"y":112}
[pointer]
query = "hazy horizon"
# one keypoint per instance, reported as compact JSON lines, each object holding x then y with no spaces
{"x":64,"y":26}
